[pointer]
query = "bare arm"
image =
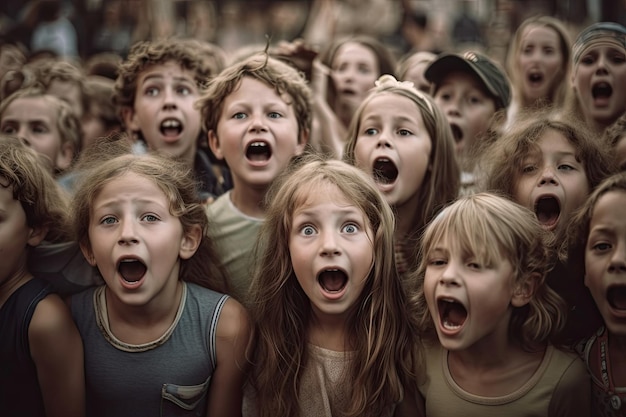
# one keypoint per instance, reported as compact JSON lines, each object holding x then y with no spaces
{"x":57,"y":350}
{"x":226,"y":390}
{"x":328,"y":134}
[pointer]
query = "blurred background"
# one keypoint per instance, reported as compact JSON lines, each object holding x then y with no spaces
{"x":89,"y":27}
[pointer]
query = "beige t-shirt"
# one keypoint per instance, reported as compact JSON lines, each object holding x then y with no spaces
{"x":559,"y":387}
{"x":234,"y":234}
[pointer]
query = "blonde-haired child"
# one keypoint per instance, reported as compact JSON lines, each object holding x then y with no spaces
{"x":483,"y":269}
{"x":403,"y":141}
{"x":334,"y":331}
{"x":538,"y":64}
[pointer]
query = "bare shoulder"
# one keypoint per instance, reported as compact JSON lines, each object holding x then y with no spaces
{"x":233,"y":320}
{"x":51,"y":316}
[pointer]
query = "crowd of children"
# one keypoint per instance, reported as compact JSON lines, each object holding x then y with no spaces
{"x":284,"y":231}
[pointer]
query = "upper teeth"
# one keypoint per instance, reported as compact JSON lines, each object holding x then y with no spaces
{"x":258,"y":144}
{"x":171,"y":123}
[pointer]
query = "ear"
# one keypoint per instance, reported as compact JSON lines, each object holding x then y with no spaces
{"x":525,"y":290}
{"x":302,"y":141}
{"x":65,"y":156}
{"x":214,"y":144}
{"x":190,"y":242}
{"x":88,"y":254}
{"x":37,"y":235}
{"x":129,"y":117}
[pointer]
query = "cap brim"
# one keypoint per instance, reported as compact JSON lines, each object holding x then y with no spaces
{"x":446,"y":64}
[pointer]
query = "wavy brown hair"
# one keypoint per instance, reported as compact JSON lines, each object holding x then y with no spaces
{"x":382,"y":335}
{"x":42,"y":199}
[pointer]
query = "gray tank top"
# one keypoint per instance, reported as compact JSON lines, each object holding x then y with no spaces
{"x":166,"y":377}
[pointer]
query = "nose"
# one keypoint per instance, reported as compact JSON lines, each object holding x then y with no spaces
{"x":128,"y":234}
{"x":450,"y":276}
{"x":257,"y":123}
{"x":601,"y":65}
{"x":618,"y":259}
{"x":548,"y":177}
{"x":452,"y":108}
{"x":384,"y":141}
{"x":329,"y":246}
{"x":169,"y":99}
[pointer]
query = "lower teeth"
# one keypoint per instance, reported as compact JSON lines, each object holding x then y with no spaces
{"x":450,"y":326}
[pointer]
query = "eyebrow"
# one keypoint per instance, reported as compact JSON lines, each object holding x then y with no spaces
{"x":160,"y":77}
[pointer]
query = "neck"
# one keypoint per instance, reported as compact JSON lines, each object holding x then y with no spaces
{"x":249,"y":200}
{"x":406,"y":215}
{"x":328,"y":332}
{"x":158,"y":312}
{"x":617,"y":343}
{"x":15,"y":281}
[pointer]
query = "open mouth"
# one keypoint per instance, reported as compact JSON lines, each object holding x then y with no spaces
{"x":258,"y":151}
{"x":457,"y":133}
{"x":452,"y":314}
{"x":616,"y":296}
{"x":547,"y":210}
{"x":601,"y":90}
{"x":535,"y":77}
{"x":385,"y":171}
{"x":132,"y":270}
{"x":332,"y":280}
{"x":171,"y":127}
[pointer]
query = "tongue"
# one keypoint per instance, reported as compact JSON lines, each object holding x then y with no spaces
{"x":332,"y":281}
{"x":455,"y":314}
{"x":170,"y":132}
{"x":617,"y":297}
{"x":132,"y":271}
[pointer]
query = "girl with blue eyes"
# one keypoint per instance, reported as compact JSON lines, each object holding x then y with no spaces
{"x":160,"y":336}
{"x":334,"y":332}
{"x":549,"y":163}
{"x":403,"y":141}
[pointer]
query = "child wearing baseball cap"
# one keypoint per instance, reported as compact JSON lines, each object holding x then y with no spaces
{"x":473,"y":92}
{"x":599,"y":74}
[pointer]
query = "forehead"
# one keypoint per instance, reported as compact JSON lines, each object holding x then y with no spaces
{"x":554,"y":141}
{"x":396,"y":105}
{"x":252,"y":90}
{"x":40,"y":108}
{"x":169,"y":69}
{"x":130,"y":182}
{"x":609,"y":209}
{"x":540,"y":33}
{"x":355,"y":52}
